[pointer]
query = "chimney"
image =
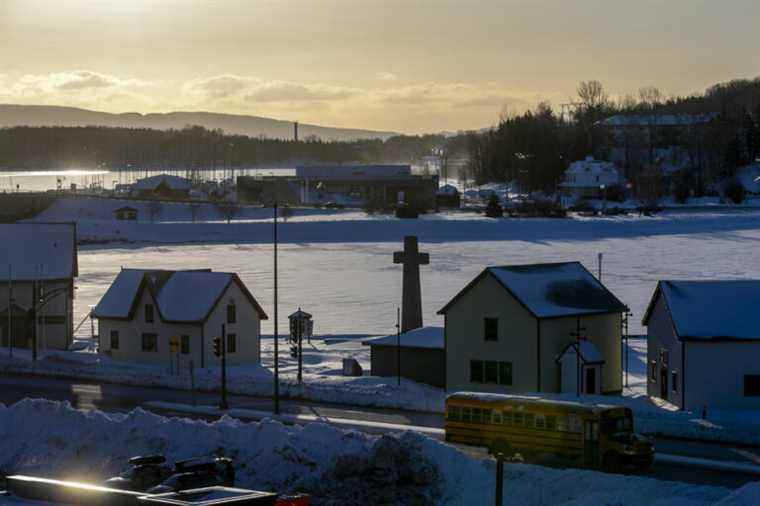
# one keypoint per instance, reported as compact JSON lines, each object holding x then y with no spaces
{"x":295,"y":131}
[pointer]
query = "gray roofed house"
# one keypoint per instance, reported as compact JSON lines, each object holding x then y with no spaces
{"x":421,"y":351}
{"x":506,"y":328}
{"x":143,"y":310}
{"x":38,"y":261}
{"x":703,"y":343}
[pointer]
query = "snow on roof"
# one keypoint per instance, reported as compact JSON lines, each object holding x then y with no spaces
{"x":181,"y":296}
{"x":589,"y":352}
{"x":657,"y":119}
{"x":491,"y":397}
{"x":553,"y":290}
{"x":152,"y":182}
{"x":592,"y":166}
{"x":38,"y":251}
{"x":423,"y":337}
{"x":712,"y":310}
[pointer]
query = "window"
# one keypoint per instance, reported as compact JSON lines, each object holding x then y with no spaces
{"x":486,"y":416}
{"x":465,"y":414}
{"x":496,"y":418}
{"x":184,"y":344}
{"x":455,"y":413}
{"x":491,"y":329}
{"x":507,"y":416}
{"x":475,"y":415}
{"x":653,"y":370}
{"x":149,"y":342}
{"x":540,"y":422}
{"x":529,"y":420}
{"x":231,"y":343}
{"x":751,"y":385}
{"x":518,"y":418}
{"x":476,"y":371}
{"x":674,"y":380}
{"x":114,"y":339}
{"x":231,"y":315}
{"x":551,"y":422}
{"x":148,"y":313}
{"x":492,"y":372}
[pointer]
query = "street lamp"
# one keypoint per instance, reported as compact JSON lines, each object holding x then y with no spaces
{"x":602,"y":188}
{"x":276,"y":337}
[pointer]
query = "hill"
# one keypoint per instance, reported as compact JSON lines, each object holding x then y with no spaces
{"x":254,"y":126}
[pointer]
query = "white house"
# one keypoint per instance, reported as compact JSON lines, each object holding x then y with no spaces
{"x":37,"y":262}
{"x":590,"y":177}
{"x":144,"y":309}
{"x":508,"y":329}
{"x":703,"y":344}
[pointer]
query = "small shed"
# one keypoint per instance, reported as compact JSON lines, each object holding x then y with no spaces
{"x":126,"y":213}
{"x":421,"y":352}
{"x":590,"y":362}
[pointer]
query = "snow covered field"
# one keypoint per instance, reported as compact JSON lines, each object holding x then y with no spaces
{"x":328,"y":462}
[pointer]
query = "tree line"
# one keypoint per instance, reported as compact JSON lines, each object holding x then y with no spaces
{"x":720,"y":132}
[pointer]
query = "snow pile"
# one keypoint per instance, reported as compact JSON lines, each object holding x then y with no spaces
{"x":338,"y":467}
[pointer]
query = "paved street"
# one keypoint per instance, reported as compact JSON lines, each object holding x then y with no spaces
{"x":110,"y":397}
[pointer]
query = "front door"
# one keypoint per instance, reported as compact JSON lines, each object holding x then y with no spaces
{"x":590,"y":380}
{"x":664,"y":383}
{"x":591,"y":443}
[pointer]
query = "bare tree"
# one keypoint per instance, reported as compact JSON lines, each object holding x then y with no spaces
{"x":592,"y":95}
{"x":650,"y":96}
{"x":154,"y":209}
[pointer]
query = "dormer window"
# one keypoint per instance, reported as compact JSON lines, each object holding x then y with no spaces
{"x":231,"y":313}
{"x":149,"y":318}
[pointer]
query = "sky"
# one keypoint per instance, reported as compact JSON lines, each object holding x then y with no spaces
{"x":409,"y":66}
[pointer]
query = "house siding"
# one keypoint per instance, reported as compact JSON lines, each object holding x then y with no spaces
{"x":603,"y":330}
{"x":247,"y":329}
{"x":56,"y":336}
{"x":715,"y":374}
{"x":423,"y":365}
{"x":517,"y":338}
{"x":661,"y":336}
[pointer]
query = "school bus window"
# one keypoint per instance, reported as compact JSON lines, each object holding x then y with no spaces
{"x":496,"y":417}
{"x":518,"y":419}
{"x":454,"y":413}
{"x":551,"y":422}
{"x":486,"y":416}
{"x":507,"y":417}
{"x":529,"y":420}
{"x":465,"y":414}
{"x":540,"y":422}
{"x":475,"y":416}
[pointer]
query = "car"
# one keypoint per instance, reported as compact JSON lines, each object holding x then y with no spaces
{"x":187,"y":481}
{"x":143,"y":473}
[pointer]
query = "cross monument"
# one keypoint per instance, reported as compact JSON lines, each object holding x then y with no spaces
{"x":411,"y":303}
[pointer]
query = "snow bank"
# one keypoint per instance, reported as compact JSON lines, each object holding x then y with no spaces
{"x":50,"y":438}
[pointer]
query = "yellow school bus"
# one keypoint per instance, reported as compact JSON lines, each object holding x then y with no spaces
{"x":546,"y":431}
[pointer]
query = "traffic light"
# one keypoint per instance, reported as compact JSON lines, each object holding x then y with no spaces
{"x":218,"y":346}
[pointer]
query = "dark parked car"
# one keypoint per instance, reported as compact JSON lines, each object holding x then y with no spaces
{"x":143,"y":473}
{"x":198,"y":473}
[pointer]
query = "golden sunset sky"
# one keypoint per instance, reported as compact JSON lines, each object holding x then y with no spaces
{"x":408,"y":66}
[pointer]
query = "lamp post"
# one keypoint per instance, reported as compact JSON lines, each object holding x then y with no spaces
{"x":603,"y":188}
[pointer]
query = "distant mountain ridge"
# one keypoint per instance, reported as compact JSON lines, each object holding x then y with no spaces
{"x":254,"y":126}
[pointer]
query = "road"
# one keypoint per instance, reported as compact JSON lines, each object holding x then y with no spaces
{"x":121,"y":398}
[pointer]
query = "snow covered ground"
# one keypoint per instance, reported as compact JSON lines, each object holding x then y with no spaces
{"x":323,"y":460}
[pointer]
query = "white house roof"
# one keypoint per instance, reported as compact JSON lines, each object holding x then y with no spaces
{"x":589,"y":352}
{"x":552,"y":290}
{"x":711,"y":310}
{"x":181,"y":296}
{"x":423,"y":337}
{"x":172,"y":182}
{"x":42,"y":252}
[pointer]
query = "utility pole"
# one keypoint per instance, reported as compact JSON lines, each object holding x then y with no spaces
{"x":628,"y":314}
{"x":34,"y":320}
{"x":499,"y":479}
{"x":223,"y":404}
{"x":276,"y":337}
{"x":599,"y":261}
{"x":299,"y":330}
{"x":398,"y":344}
{"x":10,"y":311}
{"x":577,"y":335}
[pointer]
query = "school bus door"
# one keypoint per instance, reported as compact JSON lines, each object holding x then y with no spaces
{"x":591,"y":443}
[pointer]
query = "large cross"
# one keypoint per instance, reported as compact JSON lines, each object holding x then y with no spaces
{"x":411,"y":303}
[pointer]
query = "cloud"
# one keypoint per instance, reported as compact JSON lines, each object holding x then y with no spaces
{"x":35,"y":84}
{"x":387,"y":76}
{"x":255,"y":90}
